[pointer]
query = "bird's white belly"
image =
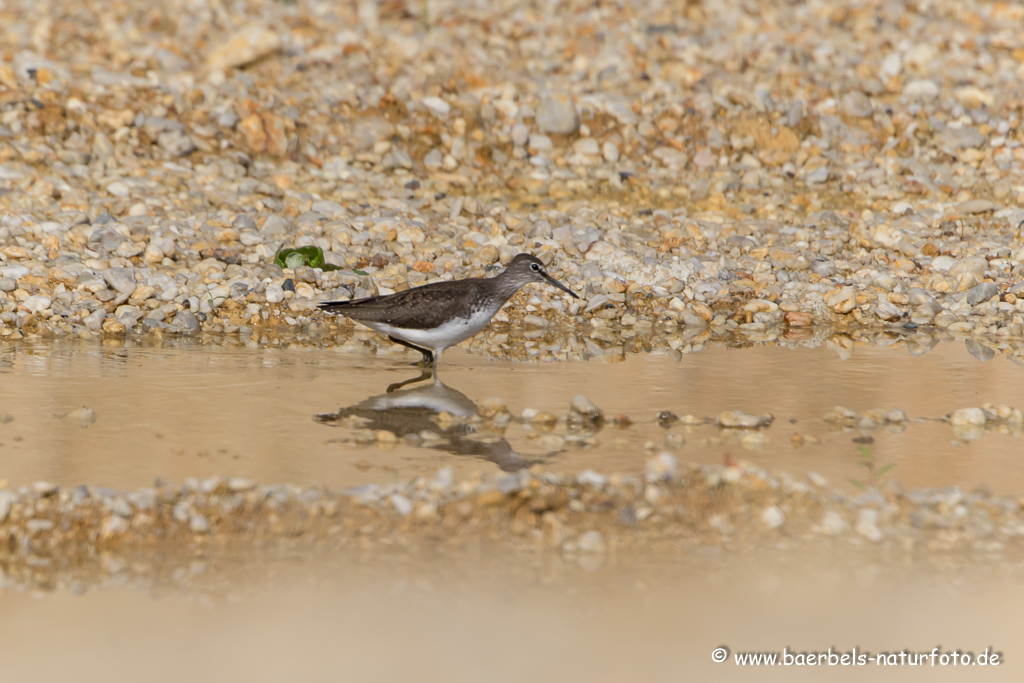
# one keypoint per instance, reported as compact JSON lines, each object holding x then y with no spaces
{"x":441,"y":337}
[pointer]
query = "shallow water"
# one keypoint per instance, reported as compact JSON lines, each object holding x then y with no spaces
{"x":532,"y":617}
{"x":287,"y":415}
{"x":266,"y":413}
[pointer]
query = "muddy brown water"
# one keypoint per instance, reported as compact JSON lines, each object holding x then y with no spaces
{"x":512,"y":619}
{"x":181,"y":410}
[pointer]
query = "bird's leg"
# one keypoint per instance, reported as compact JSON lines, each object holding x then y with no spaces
{"x":428,"y":357}
{"x":424,"y":375}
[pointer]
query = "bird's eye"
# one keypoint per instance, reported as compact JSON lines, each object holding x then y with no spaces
{"x":534,"y":266}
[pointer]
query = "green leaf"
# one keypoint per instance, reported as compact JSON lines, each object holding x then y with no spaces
{"x":363,"y":273}
{"x":885,"y":468}
{"x":303,"y":256}
{"x":865,"y":452}
{"x":859,"y":484}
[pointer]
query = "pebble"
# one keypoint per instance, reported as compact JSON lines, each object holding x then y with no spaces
{"x":740,"y":420}
{"x":198,"y":524}
{"x":591,"y":542}
{"x":402,"y":505}
{"x":773,"y":517}
{"x":867,"y":524}
{"x":585,"y":408}
{"x":833,"y":524}
{"x":981,"y":293}
{"x":856,"y":104}
{"x":662,"y":467}
{"x":113,"y":526}
{"x":243,"y":47}
{"x":274,"y":293}
{"x":557,"y":113}
{"x":591,"y":478}
{"x":37,"y":304}
{"x":968,"y":417}
{"x":84,"y":416}
{"x":185,"y":322}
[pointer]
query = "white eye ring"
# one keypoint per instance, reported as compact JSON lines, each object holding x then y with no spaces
{"x":534,"y":266}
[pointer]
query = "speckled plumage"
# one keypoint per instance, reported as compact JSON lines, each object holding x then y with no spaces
{"x":434,"y":317}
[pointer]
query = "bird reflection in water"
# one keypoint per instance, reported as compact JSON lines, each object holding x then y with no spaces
{"x":412,"y":407}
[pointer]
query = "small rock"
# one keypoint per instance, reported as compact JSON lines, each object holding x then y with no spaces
{"x":557,"y":114}
{"x":818,"y":175}
{"x":662,"y":467}
{"x":120,"y":280}
{"x":37,"y":303}
{"x":888,"y":312}
{"x":244,"y":47}
{"x":842,"y":300}
{"x":586,"y":146}
{"x":112,"y":526}
{"x":591,"y":478}
{"x":199,"y":524}
{"x":982,"y":293}
{"x":591,"y":542}
{"x":402,"y":505}
{"x":773,"y":517}
{"x":832,"y":524}
{"x":968,"y":417}
{"x":437,"y":106}
{"x":739,"y":420}
{"x":921,"y":89}
{"x":240,"y":484}
{"x":45,"y":488}
{"x":185,"y":322}
{"x":841,"y":416}
{"x":976,"y":206}
{"x":799,"y":319}
{"x":585,"y":408}
{"x":610,"y":152}
{"x":85,"y":416}
{"x":867,"y":524}
{"x":856,"y":104}
{"x":274,"y":293}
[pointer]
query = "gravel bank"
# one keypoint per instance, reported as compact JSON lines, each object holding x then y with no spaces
{"x":673,"y":510}
{"x":738,"y":168}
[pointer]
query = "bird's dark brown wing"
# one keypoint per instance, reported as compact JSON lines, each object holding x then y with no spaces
{"x":418,"y":308}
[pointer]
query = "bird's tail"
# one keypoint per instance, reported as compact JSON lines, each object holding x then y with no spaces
{"x":334,"y":306}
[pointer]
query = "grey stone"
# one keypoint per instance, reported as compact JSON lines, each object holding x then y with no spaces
{"x":583,"y":406}
{"x":120,"y":279}
{"x":818,"y":175}
{"x":823,"y":267}
{"x":981,"y":293}
{"x":557,"y":113}
{"x":185,"y":322}
{"x":276,"y":225}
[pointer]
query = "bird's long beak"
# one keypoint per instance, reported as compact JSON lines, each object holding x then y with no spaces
{"x":558,"y":284}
